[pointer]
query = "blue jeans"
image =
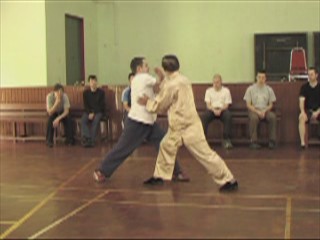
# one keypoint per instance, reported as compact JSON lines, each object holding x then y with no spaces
{"x":85,"y":122}
{"x":133,"y":135}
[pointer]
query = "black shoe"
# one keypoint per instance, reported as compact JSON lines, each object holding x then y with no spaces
{"x":50,"y":144}
{"x":229,"y":187}
{"x":86,"y":145}
{"x":302,"y":147}
{"x":153,"y":181}
{"x":70,"y":142}
{"x":254,"y":145}
{"x":272,"y":145}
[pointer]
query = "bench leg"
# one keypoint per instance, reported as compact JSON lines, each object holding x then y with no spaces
{"x":306,"y":135}
{"x":109,"y":124}
{"x":106,"y":129}
{"x":14,"y":132}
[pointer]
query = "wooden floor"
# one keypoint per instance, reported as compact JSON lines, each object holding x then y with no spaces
{"x":50,"y":193}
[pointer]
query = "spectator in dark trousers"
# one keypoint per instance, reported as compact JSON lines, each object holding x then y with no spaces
{"x":94,"y":109}
{"x":58,"y":106}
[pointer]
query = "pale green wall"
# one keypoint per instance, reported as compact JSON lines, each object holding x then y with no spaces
{"x":55,"y":17}
{"x":207,"y":36}
{"x":23,"y":43}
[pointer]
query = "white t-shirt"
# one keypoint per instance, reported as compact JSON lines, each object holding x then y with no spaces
{"x":218,"y":99}
{"x":141,"y":84}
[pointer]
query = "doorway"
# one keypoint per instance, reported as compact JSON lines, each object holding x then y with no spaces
{"x":74,"y":50}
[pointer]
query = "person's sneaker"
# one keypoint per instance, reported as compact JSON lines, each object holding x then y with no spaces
{"x":180,"y":178}
{"x":83,"y":141}
{"x":50,"y":144}
{"x":254,"y":145}
{"x":272,"y":145}
{"x":153,"y":181}
{"x":229,"y":187}
{"x":92,"y":143}
{"x":70,"y":142}
{"x":227,"y":144}
{"x":98,"y":176}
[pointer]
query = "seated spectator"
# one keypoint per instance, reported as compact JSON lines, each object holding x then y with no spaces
{"x":309,"y":103}
{"x":260,"y":99}
{"x":94,"y":110}
{"x":58,"y":106}
{"x":126,"y":99}
{"x":218,"y":99}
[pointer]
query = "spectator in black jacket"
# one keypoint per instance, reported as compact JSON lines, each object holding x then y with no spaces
{"x":94,"y":107}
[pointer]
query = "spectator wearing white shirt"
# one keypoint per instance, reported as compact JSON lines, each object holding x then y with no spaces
{"x":218,"y":98}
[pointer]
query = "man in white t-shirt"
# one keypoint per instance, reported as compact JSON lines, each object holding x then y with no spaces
{"x":140,"y":125}
{"x":218,"y":99}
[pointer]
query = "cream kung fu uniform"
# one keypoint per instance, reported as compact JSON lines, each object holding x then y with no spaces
{"x":185,"y":127}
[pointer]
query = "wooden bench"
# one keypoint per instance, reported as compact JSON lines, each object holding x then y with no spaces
{"x":311,"y":139}
{"x":240,"y":125}
{"x":20,"y":115}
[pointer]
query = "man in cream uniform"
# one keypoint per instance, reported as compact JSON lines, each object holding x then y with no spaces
{"x":139,"y":126}
{"x":218,"y":99}
{"x":185,"y":128}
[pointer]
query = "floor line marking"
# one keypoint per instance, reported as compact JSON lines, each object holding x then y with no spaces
{"x":44,"y":201}
{"x":287,"y":231}
{"x":7,"y":222}
{"x":198,"y":206}
{"x":205,"y":194}
{"x":69,"y":215}
{"x":164,"y":192}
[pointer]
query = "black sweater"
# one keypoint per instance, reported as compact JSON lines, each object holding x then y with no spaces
{"x":94,"y":102}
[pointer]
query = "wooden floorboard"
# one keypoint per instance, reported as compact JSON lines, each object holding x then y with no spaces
{"x":49,"y":193}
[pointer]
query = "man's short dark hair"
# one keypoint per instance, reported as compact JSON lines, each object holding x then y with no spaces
{"x":263,"y":71}
{"x":130,"y":75}
{"x":135,"y":63}
{"x":314,"y":69}
{"x":170,"y":63}
{"x":94,"y":77}
{"x":57,"y":87}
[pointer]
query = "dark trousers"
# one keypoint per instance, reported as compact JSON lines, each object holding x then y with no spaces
{"x":67,"y":124}
{"x":225,"y":117}
{"x":133,"y":135}
{"x":85,"y":122}
{"x":124,"y":117}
